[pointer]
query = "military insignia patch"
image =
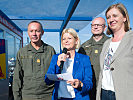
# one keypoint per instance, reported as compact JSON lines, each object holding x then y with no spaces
{"x":96,"y":51}
{"x":38,"y":61}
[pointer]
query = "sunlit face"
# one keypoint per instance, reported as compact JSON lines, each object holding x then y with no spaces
{"x":115,"y":20}
{"x":98,"y":26}
{"x":68,"y":41}
{"x":35,"y":32}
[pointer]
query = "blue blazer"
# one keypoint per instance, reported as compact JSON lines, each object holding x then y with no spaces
{"x":81,"y":70}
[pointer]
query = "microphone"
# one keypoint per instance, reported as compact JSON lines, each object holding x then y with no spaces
{"x":62,"y":62}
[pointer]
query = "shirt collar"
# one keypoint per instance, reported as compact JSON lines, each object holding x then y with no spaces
{"x":41,"y":49}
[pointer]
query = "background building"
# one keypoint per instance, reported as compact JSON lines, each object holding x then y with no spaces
{"x":11,"y":37}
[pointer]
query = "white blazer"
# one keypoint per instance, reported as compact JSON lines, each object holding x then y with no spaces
{"x":121,"y":68}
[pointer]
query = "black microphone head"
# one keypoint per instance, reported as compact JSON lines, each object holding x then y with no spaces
{"x":64,"y":50}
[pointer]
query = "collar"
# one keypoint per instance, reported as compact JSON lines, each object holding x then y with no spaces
{"x":41,"y":49}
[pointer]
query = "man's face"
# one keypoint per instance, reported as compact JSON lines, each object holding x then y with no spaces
{"x":35,"y":32}
{"x":98,"y":26}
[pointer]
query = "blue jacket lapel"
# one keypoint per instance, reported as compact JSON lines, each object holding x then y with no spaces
{"x":76,"y":63}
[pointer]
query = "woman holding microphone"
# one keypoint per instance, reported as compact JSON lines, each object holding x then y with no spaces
{"x":78,"y":65}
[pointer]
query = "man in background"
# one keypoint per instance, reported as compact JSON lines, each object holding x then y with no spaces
{"x":93,"y":48}
{"x":32,"y":63}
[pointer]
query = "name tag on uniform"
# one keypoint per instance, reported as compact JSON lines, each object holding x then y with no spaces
{"x":96,"y":51}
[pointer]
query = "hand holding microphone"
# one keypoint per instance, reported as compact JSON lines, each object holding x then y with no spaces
{"x":61,"y":58}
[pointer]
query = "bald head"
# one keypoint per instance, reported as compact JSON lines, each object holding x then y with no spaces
{"x":98,"y":26}
{"x":100,"y":19}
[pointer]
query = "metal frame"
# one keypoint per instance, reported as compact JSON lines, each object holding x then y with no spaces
{"x":68,"y":17}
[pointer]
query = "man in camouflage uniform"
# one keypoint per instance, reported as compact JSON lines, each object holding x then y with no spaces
{"x":32,"y":63}
{"x":93,"y":48}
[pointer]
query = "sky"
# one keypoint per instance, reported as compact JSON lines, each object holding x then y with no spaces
{"x":87,"y":30}
{"x":85,"y":33}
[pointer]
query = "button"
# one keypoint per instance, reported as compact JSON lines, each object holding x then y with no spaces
{"x":112,"y":69}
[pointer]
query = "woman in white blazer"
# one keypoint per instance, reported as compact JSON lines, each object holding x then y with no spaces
{"x":116,"y":59}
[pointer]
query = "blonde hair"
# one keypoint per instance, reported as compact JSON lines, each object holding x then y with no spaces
{"x":73,"y":33}
{"x":124,"y":12}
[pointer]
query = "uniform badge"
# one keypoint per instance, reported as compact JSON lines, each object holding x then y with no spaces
{"x":38,"y":60}
{"x":96,"y":51}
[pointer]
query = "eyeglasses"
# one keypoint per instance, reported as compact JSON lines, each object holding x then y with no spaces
{"x":98,"y":25}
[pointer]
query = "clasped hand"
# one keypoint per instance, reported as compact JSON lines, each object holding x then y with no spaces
{"x":75,"y":83}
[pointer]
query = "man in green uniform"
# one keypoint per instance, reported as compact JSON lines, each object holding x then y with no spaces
{"x":32,"y":63}
{"x":93,"y":48}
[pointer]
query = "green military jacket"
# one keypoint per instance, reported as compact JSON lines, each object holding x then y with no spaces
{"x":93,"y":50}
{"x":29,"y":73}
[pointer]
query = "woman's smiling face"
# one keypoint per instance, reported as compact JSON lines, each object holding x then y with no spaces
{"x":115,"y":19}
{"x":69,"y":41}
